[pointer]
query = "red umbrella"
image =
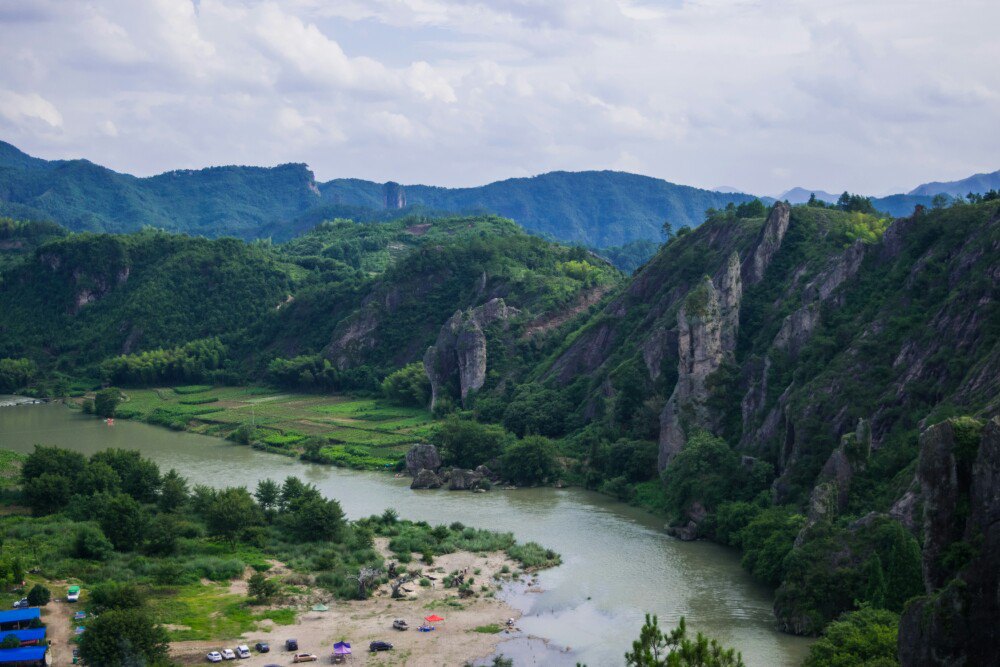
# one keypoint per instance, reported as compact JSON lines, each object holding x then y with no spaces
{"x":433,"y":618}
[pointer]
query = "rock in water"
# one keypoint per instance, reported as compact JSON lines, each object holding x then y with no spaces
{"x":425,"y":479}
{"x":422,"y":457}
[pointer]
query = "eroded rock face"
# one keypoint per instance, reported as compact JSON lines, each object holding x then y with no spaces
{"x":700,"y":352}
{"x":393,"y":195}
{"x":957,"y":624}
{"x":422,"y":457}
{"x":768,"y":243}
{"x":426,"y":479}
{"x":459,"y":354}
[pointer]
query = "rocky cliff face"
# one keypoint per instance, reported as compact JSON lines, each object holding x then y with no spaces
{"x":768,"y":243}
{"x":956,"y":624}
{"x":393,"y":195}
{"x":458,"y":357}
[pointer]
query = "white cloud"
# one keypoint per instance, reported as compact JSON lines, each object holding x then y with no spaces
{"x":843,"y":95}
{"x":27,"y":108}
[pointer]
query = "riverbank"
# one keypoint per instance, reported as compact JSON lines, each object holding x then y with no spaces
{"x":341,"y":430}
{"x":617,"y":562}
{"x":11,"y":401}
{"x":472,"y":628}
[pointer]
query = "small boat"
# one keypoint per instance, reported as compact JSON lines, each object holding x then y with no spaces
{"x":109,"y":421}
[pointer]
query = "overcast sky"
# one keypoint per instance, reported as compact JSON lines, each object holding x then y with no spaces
{"x":874,"y":96}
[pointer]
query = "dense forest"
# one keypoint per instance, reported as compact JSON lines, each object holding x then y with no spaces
{"x":779,"y":378}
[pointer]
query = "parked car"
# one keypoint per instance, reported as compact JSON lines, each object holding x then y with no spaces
{"x":214,"y":656}
{"x":73,"y":594}
{"x":291,"y":644}
{"x":228,"y":654}
{"x":400,"y":624}
{"x":242,"y":651}
{"x":379,"y":646}
{"x":23,"y":602}
{"x":304,"y":657}
{"x":262,"y":647}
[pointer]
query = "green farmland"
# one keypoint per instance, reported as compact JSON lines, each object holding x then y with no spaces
{"x":341,"y":430}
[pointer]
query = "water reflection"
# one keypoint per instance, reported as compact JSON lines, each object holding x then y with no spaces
{"x":618,"y":564}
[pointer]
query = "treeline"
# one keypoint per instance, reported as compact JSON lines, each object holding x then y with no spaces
{"x":191,"y":362}
{"x":16,"y":374}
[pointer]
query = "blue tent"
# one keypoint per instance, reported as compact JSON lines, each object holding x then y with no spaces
{"x":25,"y":655}
{"x":14,"y":619}
{"x":31,"y":636}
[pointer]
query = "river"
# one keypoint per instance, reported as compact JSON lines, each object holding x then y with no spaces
{"x":617,"y":562}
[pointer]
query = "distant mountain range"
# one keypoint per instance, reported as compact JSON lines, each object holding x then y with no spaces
{"x":600,"y":209}
{"x":978,"y":183}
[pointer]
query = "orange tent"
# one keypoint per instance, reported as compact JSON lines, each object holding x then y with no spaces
{"x":433,"y":618}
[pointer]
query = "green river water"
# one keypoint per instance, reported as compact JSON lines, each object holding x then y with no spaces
{"x":617,"y":561}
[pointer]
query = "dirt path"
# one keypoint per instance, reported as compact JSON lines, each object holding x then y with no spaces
{"x":58,"y":619}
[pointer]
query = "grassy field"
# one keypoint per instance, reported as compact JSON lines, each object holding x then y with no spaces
{"x":199,"y":611}
{"x":341,"y":430}
{"x":10,"y":468}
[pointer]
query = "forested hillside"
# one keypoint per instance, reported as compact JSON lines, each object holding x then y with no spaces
{"x":765,"y":382}
{"x":596,"y":209}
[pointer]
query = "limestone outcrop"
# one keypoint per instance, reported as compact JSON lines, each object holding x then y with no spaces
{"x":457,"y":360}
{"x":768,"y":243}
{"x":422,"y":456}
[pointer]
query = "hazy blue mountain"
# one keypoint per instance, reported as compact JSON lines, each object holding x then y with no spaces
{"x":598,"y":209}
{"x":801,"y":196}
{"x":978,"y":183}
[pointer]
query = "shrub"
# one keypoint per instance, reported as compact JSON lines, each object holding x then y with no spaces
{"x":39,"y":596}
{"x":529,"y":461}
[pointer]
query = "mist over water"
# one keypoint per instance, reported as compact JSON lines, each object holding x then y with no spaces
{"x":617,"y":562}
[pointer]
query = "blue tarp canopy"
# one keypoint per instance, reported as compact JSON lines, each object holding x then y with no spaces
{"x":23,"y":654}
{"x":19,"y":615}
{"x":31,"y":635}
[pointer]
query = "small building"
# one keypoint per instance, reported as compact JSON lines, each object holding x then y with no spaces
{"x":30,"y":637}
{"x":19,"y":619}
{"x":26,"y":656}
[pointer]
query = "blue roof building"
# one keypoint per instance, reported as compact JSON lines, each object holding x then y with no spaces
{"x":26,"y":637}
{"x":26,"y":655}
{"x":17,"y":619}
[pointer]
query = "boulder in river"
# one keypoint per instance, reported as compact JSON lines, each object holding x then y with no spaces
{"x":422,"y":457}
{"x":463,"y":480}
{"x":426,"y":479}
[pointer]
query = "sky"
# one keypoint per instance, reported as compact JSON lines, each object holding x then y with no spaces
{"x":872,"y":96}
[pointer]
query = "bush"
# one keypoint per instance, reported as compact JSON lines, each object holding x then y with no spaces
{"x":530,"y":461}
{"x":864,"y":637}
{"x":408,"y":386}
{"x":91,"y":543}
{"x":106,"y":402}
{"x":466,"y":444}
{"x":39,"y":596}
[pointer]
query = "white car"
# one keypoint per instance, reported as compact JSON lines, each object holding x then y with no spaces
{"x":227,"y":654}
{"x":242,"y":651}
{"x":214,"y":656}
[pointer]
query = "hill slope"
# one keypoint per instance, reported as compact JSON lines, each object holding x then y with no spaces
{"x":592,"y":208}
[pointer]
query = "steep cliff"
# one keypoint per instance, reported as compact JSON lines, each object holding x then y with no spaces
{"x":956,"y":623}
{"x":458,"y":357}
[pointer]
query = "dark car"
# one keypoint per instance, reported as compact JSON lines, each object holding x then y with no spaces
{"x":291,"y":644}
{"x":262,"y":647}
{"x":379,"y":646}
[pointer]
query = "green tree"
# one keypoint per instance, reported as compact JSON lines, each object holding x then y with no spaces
{"x":173,"y":491}
{"x":39,"y":596}
{"x":408,"y":386}
{"x":89,"y":542}
{"x":260,"y":588}
{"x":314,"y":518}
{"x":16,"y":374}
{"x":536,"y":410}
{"x":123,"y":520}
{"x":123,"y":638}
{"x":48,"y":493}
{"x":106,"y":402}
{"x":268,"y":494}
{"x":530,"y":461}
{"x":116,"y":596}
{"x":867,"y":637}
{"x":466,"y":443}
{"x":10,"y":641}
{"x":97,"y":477}
{"x":232,"y":512}
{"x":654,"y":648}
{"x":140,"y":477}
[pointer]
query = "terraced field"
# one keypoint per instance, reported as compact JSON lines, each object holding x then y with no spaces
{"x":341,"y":430}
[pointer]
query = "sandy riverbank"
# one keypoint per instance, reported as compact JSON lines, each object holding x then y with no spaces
{"x":453,"y":642}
